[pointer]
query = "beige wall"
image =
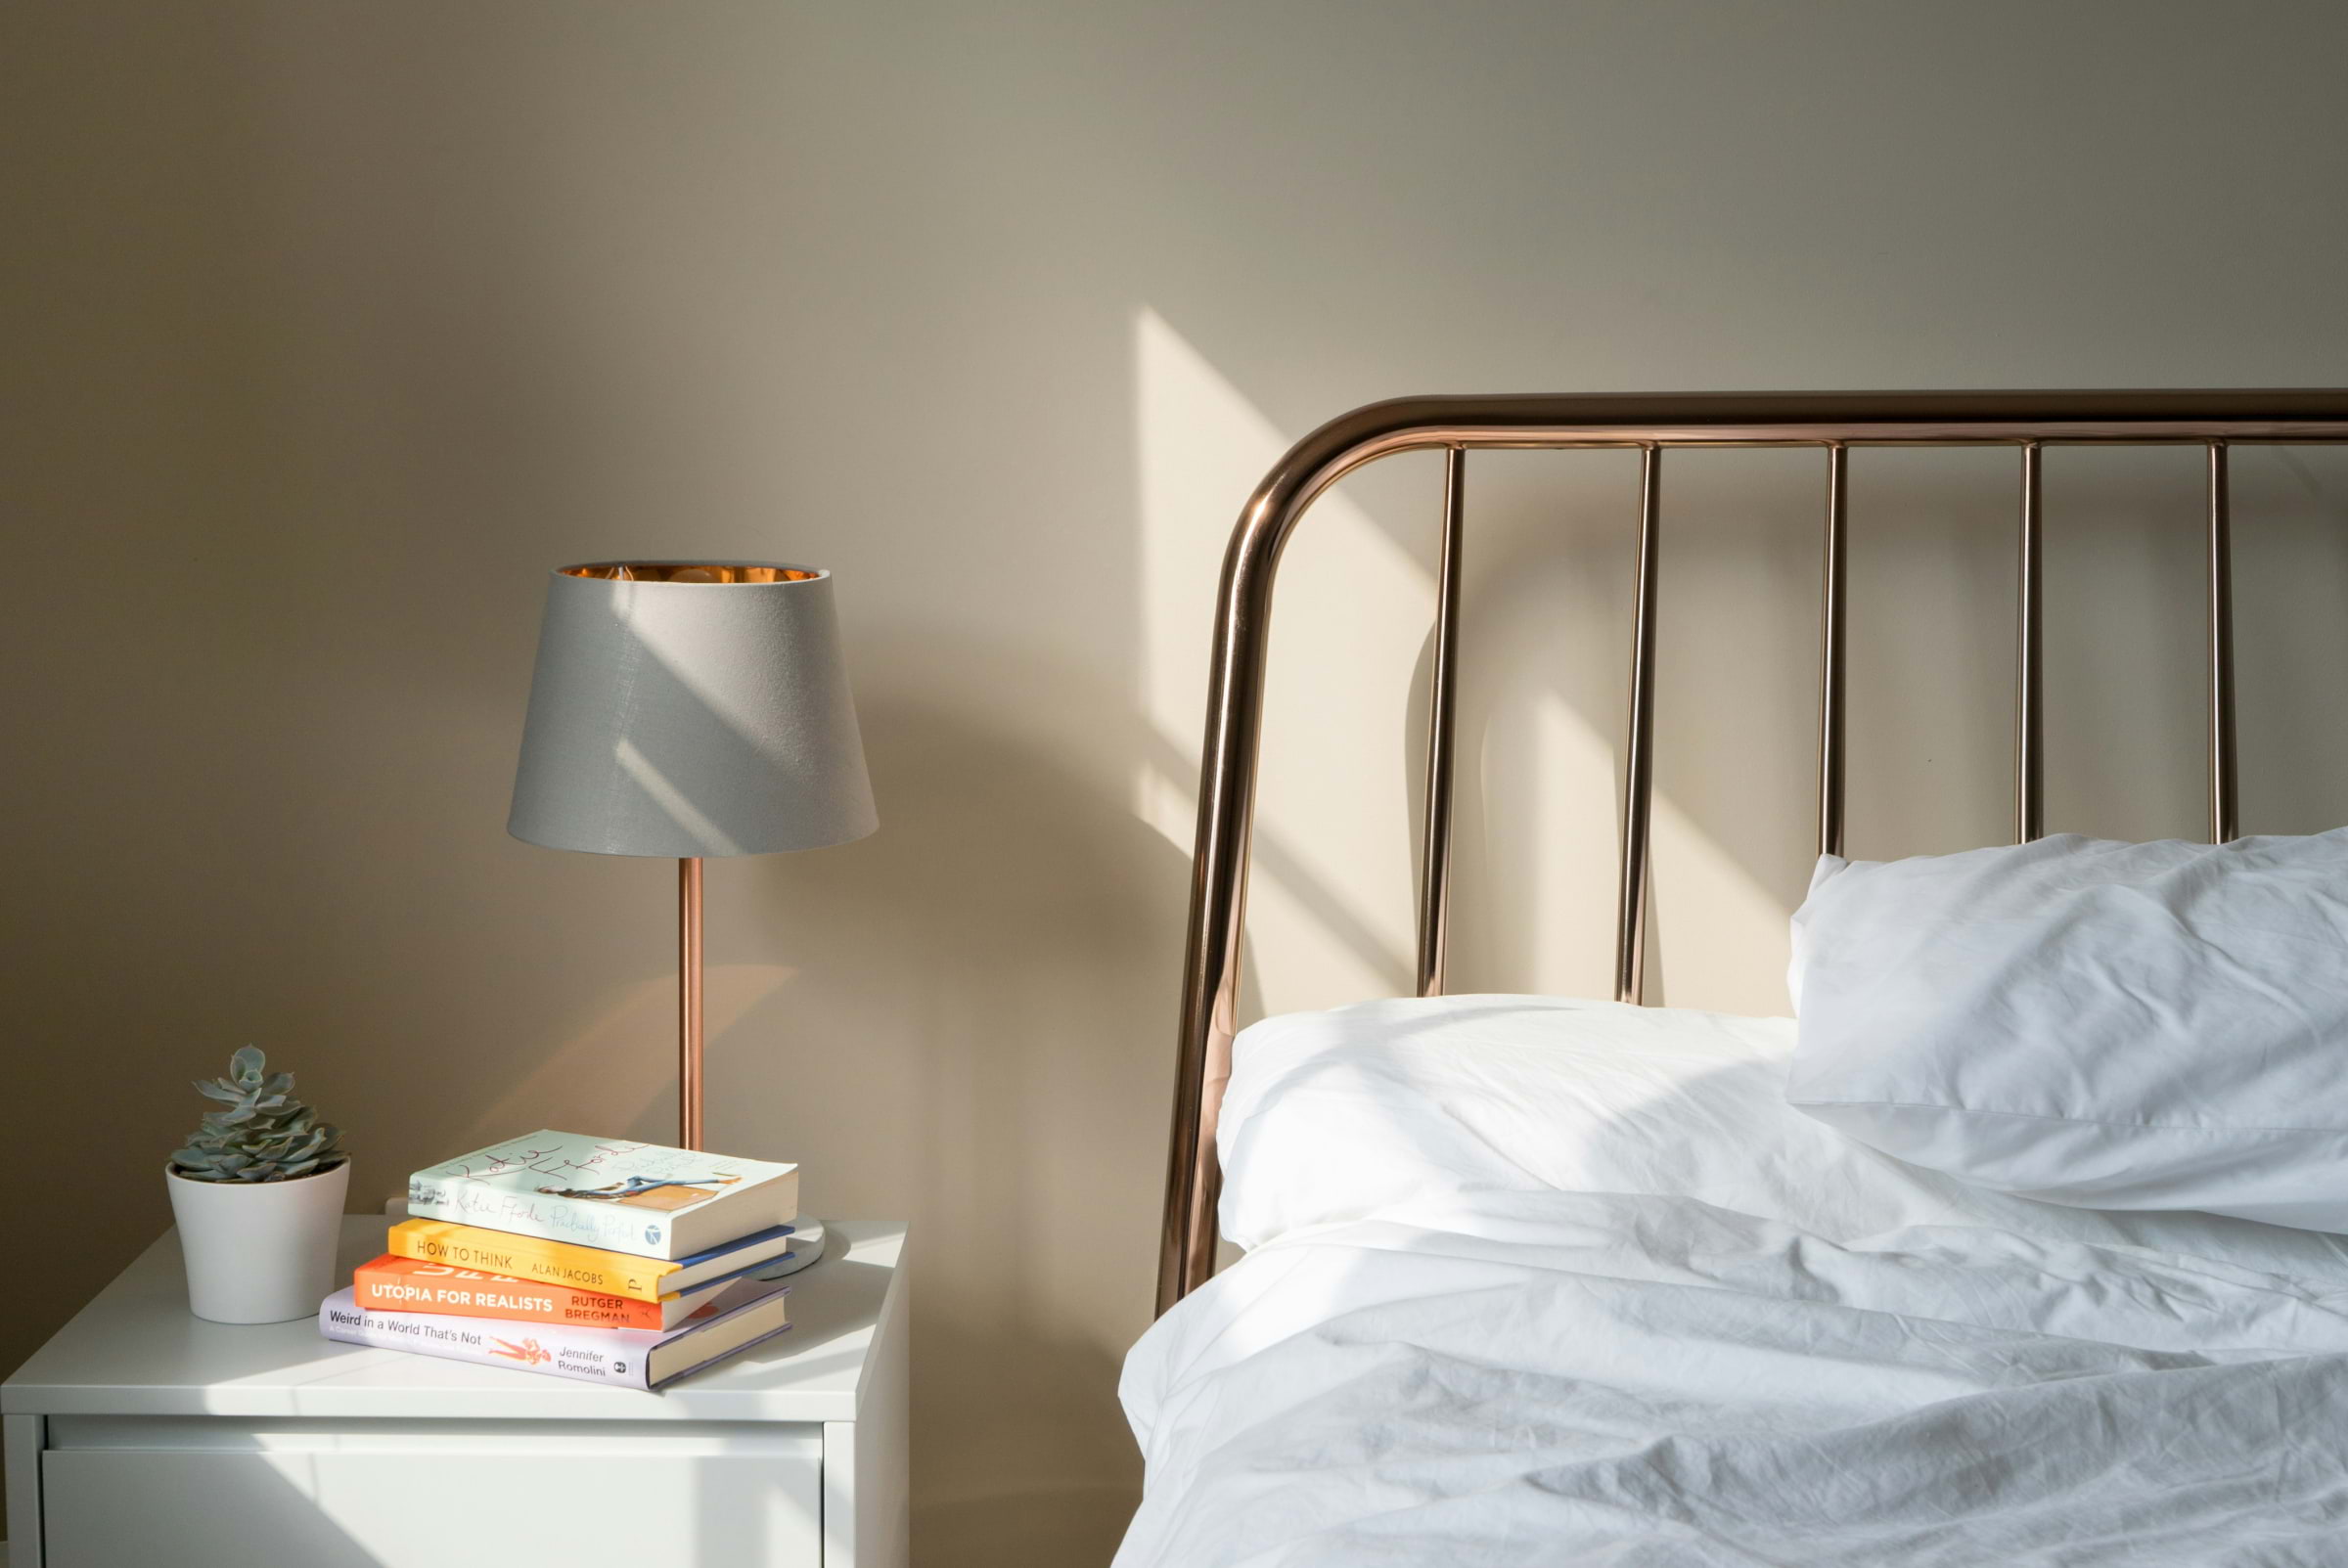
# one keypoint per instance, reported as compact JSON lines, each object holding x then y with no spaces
{"x":329,"y":327}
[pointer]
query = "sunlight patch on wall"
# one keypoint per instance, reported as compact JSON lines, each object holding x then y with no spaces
{"x":1332,"y":889}
{"x":1331,"y":895}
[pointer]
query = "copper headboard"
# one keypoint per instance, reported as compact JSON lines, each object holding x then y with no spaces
{"x":1652,"y":423}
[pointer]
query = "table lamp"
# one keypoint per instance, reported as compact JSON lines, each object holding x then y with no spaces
{"x":683,"y":709}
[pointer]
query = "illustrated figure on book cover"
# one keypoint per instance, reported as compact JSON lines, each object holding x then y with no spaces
{"x":648,"y":1192}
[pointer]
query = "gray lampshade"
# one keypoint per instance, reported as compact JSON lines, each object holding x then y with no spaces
{"x":685,"y":708}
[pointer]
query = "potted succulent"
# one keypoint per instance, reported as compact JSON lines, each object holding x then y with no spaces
{"x":257,"y":1192}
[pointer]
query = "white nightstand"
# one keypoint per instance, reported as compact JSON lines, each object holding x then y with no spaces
{"x":142,"y":1435}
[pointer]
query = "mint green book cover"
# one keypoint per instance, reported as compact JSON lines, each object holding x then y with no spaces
{"x":645,"y":1199}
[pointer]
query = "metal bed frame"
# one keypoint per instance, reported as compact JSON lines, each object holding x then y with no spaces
{"x":1651,"y":423}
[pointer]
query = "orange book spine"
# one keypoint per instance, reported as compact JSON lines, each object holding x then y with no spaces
{"x":528,"y":1258}
{"x":393,"y":1284}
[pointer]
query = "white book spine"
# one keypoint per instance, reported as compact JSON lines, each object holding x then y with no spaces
{"x":583,"y":1222}
{"x":614,"y":1356}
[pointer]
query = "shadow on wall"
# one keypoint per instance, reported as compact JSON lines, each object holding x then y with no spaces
{"x":1044,"y":914}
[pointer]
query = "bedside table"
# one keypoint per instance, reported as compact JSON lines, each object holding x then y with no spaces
{"x":143,"y":1435}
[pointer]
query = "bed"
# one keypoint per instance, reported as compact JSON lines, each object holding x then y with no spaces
{"x":1542,"y":1280}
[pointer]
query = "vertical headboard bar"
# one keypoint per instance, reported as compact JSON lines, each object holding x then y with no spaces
{"x":1830,"y":652}
{"x":1639,"y":758}
{"x":1442,"y":707}
{"x":2223,"y":799}
{"x":2029,"y":718}
{"x":1219,"y":866}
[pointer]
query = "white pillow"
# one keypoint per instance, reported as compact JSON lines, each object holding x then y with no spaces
{"x":2119,"y":1026}
{"x":1407,"y":1110}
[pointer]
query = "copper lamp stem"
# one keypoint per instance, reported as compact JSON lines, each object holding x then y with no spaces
{"x":688,"y":1003}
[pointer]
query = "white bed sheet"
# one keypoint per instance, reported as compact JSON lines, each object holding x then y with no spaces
{"x":1537,"y":1282}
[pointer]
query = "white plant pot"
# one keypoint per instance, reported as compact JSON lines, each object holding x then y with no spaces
{"x":259,"y":1252}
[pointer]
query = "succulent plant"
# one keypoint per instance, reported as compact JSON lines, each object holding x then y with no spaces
{"x":261,"y":1133}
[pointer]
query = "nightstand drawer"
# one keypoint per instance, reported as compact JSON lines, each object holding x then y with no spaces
{"x":227,"y":1493}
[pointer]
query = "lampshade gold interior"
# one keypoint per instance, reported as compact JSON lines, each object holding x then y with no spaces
{"x":687,"y":571}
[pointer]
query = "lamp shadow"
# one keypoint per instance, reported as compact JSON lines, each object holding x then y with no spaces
{"x":1010,"y":1097}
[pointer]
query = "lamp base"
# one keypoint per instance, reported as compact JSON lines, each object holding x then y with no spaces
{"x":806,"y":1248}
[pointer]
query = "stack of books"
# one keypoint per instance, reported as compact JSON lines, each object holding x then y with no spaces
{"x":591,"y":1258}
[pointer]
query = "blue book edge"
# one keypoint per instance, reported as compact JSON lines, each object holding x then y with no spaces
{"x":700,"y":1366}
{"x":737,"y":1245}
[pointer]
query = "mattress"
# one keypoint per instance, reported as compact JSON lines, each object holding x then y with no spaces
{"x":1535,"y":1281}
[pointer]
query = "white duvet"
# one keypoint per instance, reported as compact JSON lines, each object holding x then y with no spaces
{"x":1541,"y":1281}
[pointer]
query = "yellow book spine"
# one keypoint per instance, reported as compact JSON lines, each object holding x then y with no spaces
{"x":526,"y":1257}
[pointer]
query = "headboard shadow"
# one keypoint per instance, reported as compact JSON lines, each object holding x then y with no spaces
{"x":1652,"y":423}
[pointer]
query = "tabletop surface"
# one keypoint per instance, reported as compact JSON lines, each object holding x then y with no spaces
{"x":136,"y":1350}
